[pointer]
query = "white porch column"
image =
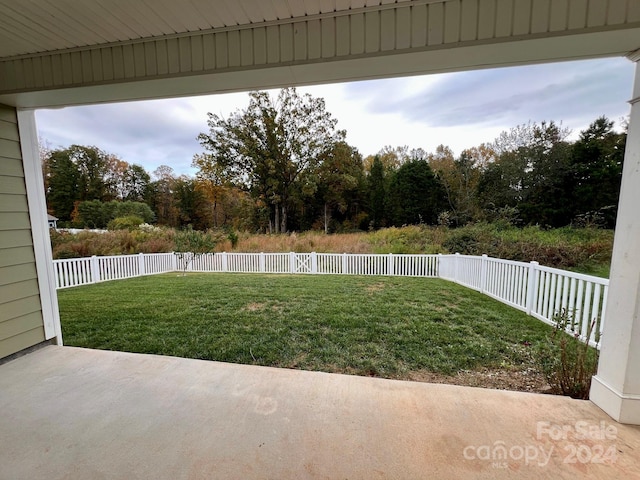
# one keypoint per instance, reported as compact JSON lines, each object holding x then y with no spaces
{"x":616,"y":387}
{"x":39,"y":224}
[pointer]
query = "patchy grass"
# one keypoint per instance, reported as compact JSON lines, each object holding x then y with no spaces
{"x":376,"y":326}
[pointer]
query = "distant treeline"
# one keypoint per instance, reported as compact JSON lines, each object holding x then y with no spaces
{"x":281,"y":165}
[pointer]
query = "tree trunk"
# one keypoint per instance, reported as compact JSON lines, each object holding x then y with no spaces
{"x":283,"y":227}
{"x":326,"y":220}
{"x":277,"y":218}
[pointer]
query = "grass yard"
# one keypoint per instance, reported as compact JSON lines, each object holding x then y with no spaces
{"x":405,"y":328}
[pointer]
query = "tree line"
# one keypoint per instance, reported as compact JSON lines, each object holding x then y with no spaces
{"x":281,"y":164}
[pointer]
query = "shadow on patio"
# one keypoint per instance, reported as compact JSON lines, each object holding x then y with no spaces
{"x":77,"y":413}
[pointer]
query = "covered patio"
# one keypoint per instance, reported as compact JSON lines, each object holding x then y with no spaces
{"x":73,"y":413}
{"x":78,"y":413}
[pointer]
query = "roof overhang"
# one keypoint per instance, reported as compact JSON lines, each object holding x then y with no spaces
{"x":271,"y":44}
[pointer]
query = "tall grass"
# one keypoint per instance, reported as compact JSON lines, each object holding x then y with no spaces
{"x":582,"y":249}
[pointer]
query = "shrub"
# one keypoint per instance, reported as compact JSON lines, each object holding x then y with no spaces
{"x":130,"y":222}
{"x":567,"y":362}
{"x":233,"y":238}
{"x":463,"y":242}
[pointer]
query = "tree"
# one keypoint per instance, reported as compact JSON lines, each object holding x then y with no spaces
{"x":271,"y":146}
{"x":135,"y":183}
{"x":162,"y":198}
{"x":534,"y":176}
{"x":597,"y":159}
{"x":115,"y":177}
{"x":92,"y":164}
{"x":213,"y":180}
{"x":192,"y":203}
{"x":77,"y":174}
{"x":415,"y":195}
{"x":63,"y":184}
{"x":338,"y":175}
{"x":192,"y":244}
{"x":377,"y":193}
{"x":460,"y":178}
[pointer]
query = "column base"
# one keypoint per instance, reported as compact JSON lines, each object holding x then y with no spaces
{"x":622,"y":408}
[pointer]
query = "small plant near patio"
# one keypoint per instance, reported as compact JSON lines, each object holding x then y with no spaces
{"x":567,"y":362}
{"x":191,"y":244}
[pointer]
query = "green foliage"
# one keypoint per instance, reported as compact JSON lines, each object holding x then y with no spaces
{"x":233,"y":238}
{"x":63,"y":184}
{"x":552,"y":182}
{"x":415,"y":195}
{"x":76,"y":174}
{"x":566,"y":247}
{"x":191,"y":244}
{"x":281,"y":164}
{"x":377,"y":193}
{"x":97,"y":214}
{"x":192,"y":204}
{"x":597,"y":159}
{"x":462,"y":241}
{"x":402,"y":325}
{"x":130,"y":222}
{"x":272,"y":148}
{"x":567,"y":362}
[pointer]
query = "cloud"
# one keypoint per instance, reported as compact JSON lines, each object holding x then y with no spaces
{"x":457,"y":109}
{"x":150,"y":133}
{"x":507,"y":96}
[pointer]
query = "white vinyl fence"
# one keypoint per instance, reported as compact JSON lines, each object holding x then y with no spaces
{"x":539,"y":291}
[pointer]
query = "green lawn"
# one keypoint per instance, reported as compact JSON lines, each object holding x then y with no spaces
{"x":381,"y":326}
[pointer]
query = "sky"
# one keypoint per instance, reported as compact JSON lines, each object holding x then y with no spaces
{"x":460,"y":110}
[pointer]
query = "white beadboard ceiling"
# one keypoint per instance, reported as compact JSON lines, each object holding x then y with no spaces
{"x":37,"y":26}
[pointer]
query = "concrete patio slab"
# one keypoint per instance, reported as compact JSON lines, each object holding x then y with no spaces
{"x":71,"y":413}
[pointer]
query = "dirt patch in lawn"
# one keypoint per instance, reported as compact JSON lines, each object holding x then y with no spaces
{"x":255,"y":307}
{"x":375,"y":287}
{"x":522,"y":380}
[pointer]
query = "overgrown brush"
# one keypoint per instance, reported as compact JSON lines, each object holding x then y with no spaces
{"x":586,"y":249}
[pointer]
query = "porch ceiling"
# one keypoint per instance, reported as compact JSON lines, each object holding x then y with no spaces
{"x":37,"y":26}
{"x":68,"y":52}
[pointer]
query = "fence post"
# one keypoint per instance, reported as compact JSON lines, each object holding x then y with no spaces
{"x":390,"y":269}
{"x":344,"y":263}
{"x":261,"y":262}
{"x":532,"y":286}
{"x":225,"y":264}
{"x":174,"y":262}
{"x":455,"y":267}
{"x":141,"y":270}
{"x":292,"y":262}
{"x":95,"y":270}
{"x":314,"y":262}
{"x":483,"y":274}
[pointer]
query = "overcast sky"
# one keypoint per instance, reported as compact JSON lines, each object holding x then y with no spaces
{"x":461,"y":110}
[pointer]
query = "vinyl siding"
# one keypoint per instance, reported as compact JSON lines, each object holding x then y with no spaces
{"x":320,"y":37}
{"x":21,"y":323}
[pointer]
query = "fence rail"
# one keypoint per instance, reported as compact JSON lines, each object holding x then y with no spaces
{"x":541,"y":292}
